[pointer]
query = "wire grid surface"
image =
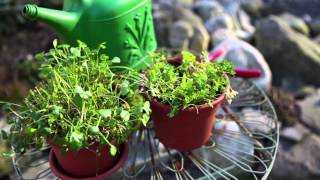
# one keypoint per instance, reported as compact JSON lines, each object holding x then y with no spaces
{"x":243,"y":146}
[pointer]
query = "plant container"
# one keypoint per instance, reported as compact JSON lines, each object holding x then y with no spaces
{"x":190,"y":128}
{"x":86,"y":163}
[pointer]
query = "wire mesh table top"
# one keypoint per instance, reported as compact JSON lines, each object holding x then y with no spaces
{"x":243,"y":145}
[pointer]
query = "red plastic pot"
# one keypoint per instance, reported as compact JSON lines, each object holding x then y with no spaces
{"x":86,"y":163}
{"x":189,"y":129}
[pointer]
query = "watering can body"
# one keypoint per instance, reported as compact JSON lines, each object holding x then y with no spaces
{"x":125,"y":25}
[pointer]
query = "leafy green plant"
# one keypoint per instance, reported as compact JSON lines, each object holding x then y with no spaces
{"x":80,"y":101}
{"x":194,"y":82}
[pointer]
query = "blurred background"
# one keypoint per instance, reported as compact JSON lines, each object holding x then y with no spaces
{"x":279,"y":37}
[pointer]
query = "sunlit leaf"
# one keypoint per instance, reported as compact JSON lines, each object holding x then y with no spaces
{"x":105,"y":113}
{"x":116,"y":60}
{"x":125,"y":115}
{"x":113,"y":150}
{"x":55,"y":43}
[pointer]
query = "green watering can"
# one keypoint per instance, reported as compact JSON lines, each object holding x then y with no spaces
{"x":125,"y":25}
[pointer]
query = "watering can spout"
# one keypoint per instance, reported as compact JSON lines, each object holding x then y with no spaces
{"x":63,"y":22}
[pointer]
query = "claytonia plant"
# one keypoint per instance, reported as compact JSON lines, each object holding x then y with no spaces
{"x":191,"y":82}
{"x":81,"y":101}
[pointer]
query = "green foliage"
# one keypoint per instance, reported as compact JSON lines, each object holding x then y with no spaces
{"x":80,"y":101}
{"x":192,"y":83}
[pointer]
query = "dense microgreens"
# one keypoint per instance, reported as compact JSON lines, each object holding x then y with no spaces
{"x":80,"y":101}
{"x":194,"y":82}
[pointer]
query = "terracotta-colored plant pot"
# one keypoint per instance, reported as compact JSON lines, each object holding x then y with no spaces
{"x":189,"y":129}
{"x":86,"y":163}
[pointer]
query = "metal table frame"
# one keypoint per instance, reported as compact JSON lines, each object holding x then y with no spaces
{"x":243,"y":146}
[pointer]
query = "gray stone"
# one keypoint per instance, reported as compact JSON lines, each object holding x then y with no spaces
{"x":163,"y":20}
{"x":253,"y":7}
{"x":207,"y":9}
{"x":223,"y":21}
{"x":301,"y":161}
{"x":317,"y":39}
{"x":304,"y":92}
{"x":200,"y":40}
{"x":296,"y":7}
{"x":179,"y":28}
{"x":245,"y":22}
{"x":285,"y":106}
{"x":244,"y":55}
{"x":295,"y":133}
{"x":315,"y":26}
{"x":220,"y":35}
{"x":230,"y":6}
{"x":244,"y":28}
{"x":289,"y":53}
{"x":296,"y":23}
{"x":180,"y":13}
{"x":310,"y":109}
{"x":186,"y":3}
{"x":179,"y":35}
{"x":234,"y":19}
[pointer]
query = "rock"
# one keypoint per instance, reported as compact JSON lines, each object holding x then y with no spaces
{"x":230,"y":6}
{"x":296,"y":7}
{"x":245,"y":22}
{"x":200,"y":40}
{"x":163,"y":20}
{"x":243,"y":55}
{"x":220,"y":35}
{"x":310,"y":109}
{"x":223,"y":21}
{"x":253,"y":7}
{"x":179,"y":35}
{"x":301,"y":161}
{"x":291,"y":84}
{"x":235,"y":19}
{"x":186,"y":3}
{"x":317,"y":39}
{"x":296,"y":23}
{"x":207,"y":9}
{"x":180,"y":13}
{"x":289,"y":53}
{"x":304,"y":92}
{"x":285,"y":105}
{"x":243,"y":26}
{"x":315,"y":26}
{"x":295,"y":133}
{"x":179,"y":28}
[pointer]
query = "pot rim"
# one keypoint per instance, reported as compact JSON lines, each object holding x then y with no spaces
{"x":192,"y":108}
{"x":56,"y":169}
{"x":175,"y":61}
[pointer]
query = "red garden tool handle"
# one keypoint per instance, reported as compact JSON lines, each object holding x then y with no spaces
{"x":241,"y":73}
{"x":247,"y":73}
